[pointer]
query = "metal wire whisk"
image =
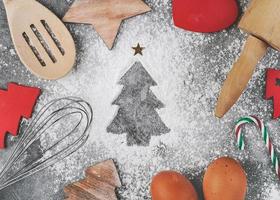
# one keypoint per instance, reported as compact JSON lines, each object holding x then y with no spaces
{"x":60,"y":128}
{"x":14,"y":196}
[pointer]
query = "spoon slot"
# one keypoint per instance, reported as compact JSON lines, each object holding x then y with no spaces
{"x":53,"y":36}
{"x":33,"y":48}
{"x":43,"y":43}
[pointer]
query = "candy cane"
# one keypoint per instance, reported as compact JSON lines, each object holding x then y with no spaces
{"x":259,"y":123}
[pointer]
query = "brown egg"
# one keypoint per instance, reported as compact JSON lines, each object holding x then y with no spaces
{"x":224,"y":179}
{"x":171,"y":185}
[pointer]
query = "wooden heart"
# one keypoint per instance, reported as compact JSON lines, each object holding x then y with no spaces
{"x":204,"y":15}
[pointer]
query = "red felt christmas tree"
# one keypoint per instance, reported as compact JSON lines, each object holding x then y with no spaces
{"x":273,"y":90}
{"x":16,"y":102}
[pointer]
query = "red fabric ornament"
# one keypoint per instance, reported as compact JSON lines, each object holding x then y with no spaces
{"x":273,"y":90}
{"x":16,"y":102}
{"x":204,"y":15}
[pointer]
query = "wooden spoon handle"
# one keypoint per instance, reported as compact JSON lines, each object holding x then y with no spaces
{"x":9,"y":4}
{"x":240,"y":74}
{"x":7,"y":1}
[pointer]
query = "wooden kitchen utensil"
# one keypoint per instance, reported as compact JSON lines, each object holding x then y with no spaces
{"x":262,"y":22}
{"x":106,"y":16}
{"x":41,"y":40}
{"x":99,"y":184}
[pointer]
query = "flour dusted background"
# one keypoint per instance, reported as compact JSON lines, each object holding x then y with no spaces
{"x":189,"y":69}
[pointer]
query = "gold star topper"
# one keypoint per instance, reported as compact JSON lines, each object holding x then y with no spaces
{"x":105,"y":15}
{"x":138,"y":50}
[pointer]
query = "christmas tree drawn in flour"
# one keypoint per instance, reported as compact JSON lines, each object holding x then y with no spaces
{"x":137,"y":115}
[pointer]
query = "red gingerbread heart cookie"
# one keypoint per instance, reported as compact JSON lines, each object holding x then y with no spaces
{"x":204,"y":15}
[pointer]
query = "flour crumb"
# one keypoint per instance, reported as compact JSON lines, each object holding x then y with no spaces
{"x":12,"y":52}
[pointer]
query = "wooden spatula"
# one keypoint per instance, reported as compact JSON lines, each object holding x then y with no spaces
{"x":41,"y":40}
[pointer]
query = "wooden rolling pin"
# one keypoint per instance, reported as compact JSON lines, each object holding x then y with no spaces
{"x":262,"y":22}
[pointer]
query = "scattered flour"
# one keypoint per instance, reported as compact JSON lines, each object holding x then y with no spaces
{"x":189,"y":69}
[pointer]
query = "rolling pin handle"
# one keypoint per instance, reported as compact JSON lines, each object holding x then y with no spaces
{"x":240,"y":74}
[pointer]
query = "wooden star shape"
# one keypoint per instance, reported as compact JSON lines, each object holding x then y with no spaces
{"x":138,"y":50}
{"x":106,"y":16}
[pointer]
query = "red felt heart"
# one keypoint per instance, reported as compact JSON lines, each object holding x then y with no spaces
{"x":204,"y":15}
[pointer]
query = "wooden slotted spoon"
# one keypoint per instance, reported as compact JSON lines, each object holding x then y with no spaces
{"x":41,"y":40}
